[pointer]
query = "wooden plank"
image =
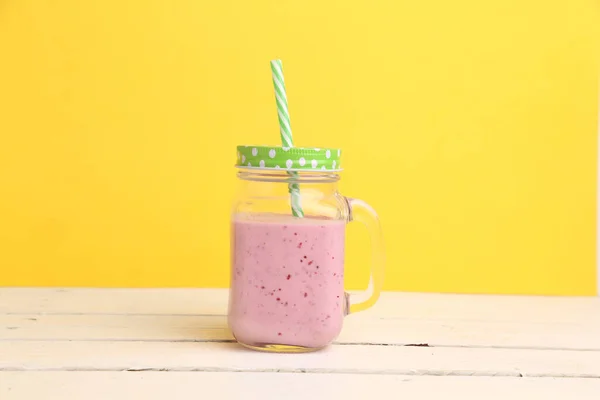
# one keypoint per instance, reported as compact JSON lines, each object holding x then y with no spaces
{"x":113,"y":301}
{"x":113,"y":327}
{"x":429,"y":306}
{"x":359,"y":328}
{"x":225,"y":386}
{"x":515,"y":321}
{"x":229,"y":357}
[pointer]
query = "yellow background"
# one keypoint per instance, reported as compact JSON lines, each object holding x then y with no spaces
{"x":469,"y":125}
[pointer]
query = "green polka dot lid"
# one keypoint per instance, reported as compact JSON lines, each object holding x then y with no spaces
{"x":289,"y":158}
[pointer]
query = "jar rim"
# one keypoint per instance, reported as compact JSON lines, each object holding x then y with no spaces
{"x":274,"y":175}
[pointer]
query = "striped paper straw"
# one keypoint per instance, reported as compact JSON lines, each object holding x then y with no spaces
{"x":285,"y":130}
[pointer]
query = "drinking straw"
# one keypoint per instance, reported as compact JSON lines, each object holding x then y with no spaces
{"x":285,"y":131}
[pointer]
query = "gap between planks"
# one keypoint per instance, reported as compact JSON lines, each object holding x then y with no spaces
{"x":335,"y":343}
{"x":342,"y":371}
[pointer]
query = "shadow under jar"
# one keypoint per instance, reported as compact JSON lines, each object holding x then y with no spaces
{"x":288,"y":228}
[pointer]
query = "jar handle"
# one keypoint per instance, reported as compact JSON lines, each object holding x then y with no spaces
{"x":362,"y":212}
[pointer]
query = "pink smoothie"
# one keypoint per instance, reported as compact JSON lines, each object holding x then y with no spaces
{"x":287,"y":284}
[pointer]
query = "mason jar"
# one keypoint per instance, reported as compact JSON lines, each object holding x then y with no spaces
{"x":288,"y":231}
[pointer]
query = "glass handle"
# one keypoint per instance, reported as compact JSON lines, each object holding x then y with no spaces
{"x":364,"y":213}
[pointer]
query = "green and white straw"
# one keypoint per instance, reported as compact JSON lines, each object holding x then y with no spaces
{"x":285,"y":130}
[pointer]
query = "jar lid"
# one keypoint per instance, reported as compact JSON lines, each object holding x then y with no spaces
{"x":289,"y":158}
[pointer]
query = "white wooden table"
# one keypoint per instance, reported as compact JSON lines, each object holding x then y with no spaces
{"x":156,"y":344}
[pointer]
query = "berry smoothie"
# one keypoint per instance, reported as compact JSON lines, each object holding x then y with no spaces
{"x":287,"y":283}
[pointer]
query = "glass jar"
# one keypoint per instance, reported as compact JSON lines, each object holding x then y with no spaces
{"x":287,"y":250}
